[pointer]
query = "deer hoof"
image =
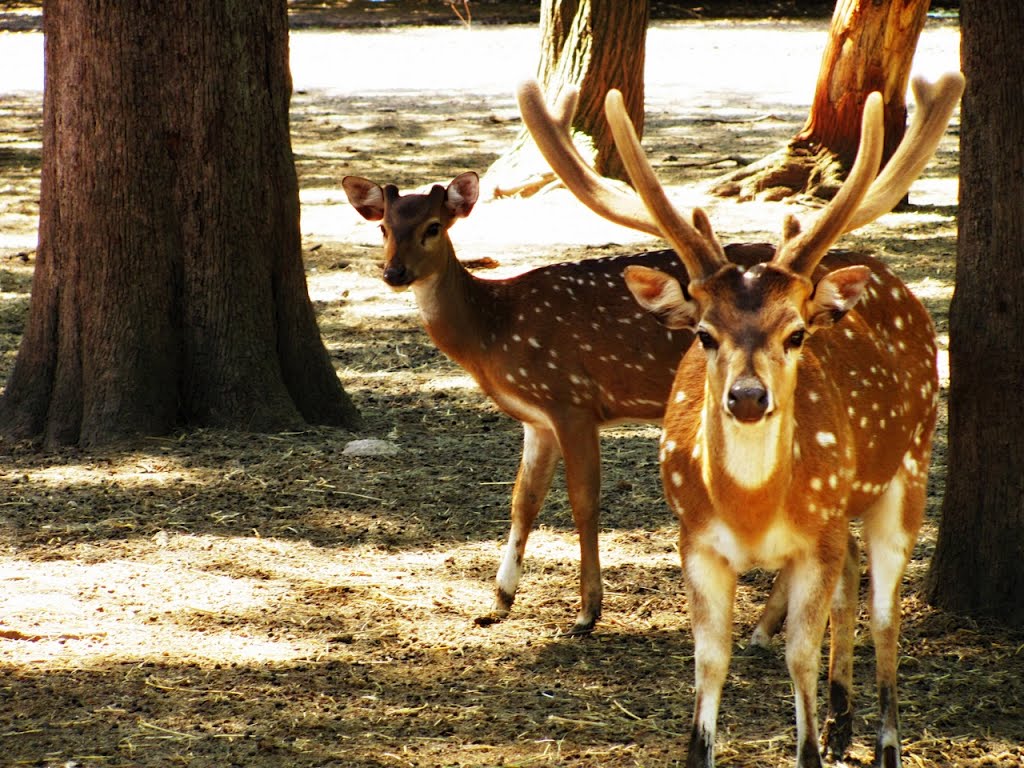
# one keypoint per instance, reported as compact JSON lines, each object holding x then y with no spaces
{"x":836,"y":735}
{"x":583,"y":627}
{"x":889,"y":758}
{"x":494,"y":617}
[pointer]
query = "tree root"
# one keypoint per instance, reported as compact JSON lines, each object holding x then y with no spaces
{"x":796,"y":169}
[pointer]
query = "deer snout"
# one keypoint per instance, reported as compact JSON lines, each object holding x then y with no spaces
{"x":396,"y":275}
{"x":748,"y":400}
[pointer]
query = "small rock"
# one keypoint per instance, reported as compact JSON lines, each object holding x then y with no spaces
{"x":370,"y":448}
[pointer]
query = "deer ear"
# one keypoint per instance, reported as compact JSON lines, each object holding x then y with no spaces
{"x":462,"y":194}
{"x":365,"y":196}
{"x":835,"y":295}
{"x":662,"y":296}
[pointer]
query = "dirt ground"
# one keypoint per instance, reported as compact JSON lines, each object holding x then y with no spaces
{"x":220,"y":599}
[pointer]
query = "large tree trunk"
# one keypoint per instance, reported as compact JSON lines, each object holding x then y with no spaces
{"x":169,"y":286}
{"x":978,"y":567}
{"x":870,"y":47}
{"x":595,"y":45}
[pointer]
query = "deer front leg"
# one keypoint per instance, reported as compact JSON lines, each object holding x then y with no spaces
{"x":890,"y":530}
{"x":710,"y":594}
{"x":536,"y":468}
{"x":811,"y":583}
{"x":581,"y":450}
{"x":838,"y":729}
{"x":887,"y":563}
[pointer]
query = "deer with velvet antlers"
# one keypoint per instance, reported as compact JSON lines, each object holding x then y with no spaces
{"x":809,"y":401}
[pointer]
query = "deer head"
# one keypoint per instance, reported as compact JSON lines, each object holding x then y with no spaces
{"x":752,"y":322}
{"x":415,"y":227}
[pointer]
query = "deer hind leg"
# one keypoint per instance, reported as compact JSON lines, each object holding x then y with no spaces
{"x":536,"y":468}
{"x":812,"y":581}
{"x":581,"y":449}
{"x":710,"y":595}
{"x":890,"y":530}
{"x":773,"y":613}
{"x":838,"y":729}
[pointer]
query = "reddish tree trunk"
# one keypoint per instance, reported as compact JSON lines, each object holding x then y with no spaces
{"x":169,"y":286}
{"x":870,"y":47}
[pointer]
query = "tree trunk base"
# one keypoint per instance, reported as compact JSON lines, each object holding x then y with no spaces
{"x":514,"y":180}
{"x":796,"y":169}
{"x":181,"y":300}
{"x":523,"y":171}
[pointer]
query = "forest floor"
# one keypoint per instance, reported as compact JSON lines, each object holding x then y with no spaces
{"x":221,"y":599}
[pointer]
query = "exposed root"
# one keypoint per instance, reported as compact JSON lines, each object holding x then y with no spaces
{"x":796,"y":169}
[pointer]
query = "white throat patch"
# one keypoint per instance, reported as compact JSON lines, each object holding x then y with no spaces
{"x":749,"y":453}
{"x":430,"y":304}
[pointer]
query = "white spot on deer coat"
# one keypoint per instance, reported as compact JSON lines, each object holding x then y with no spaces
{"x":825,"y":439}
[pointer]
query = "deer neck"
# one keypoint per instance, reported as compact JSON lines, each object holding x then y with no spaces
{"x":750,"y":464}
{"x":456,"y":309}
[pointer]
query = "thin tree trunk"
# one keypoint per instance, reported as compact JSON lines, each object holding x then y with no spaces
{"x":169,"y":286}
{"x":870,"y":47}
{"x":605,"y":48}
{"x":978,"y":566}
{"x":595,"y":45}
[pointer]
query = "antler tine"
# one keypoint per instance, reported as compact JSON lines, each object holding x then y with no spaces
{"x":700,"y":251}
{"x":803,"y":251}
{"x":935,"y":104}
{"x":550,"y":132}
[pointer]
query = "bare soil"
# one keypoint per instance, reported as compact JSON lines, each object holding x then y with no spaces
{"x":222,"y":599}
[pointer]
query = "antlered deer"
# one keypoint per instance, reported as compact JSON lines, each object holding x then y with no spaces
{"x":563,"y":348}
{"x":809,"y":401}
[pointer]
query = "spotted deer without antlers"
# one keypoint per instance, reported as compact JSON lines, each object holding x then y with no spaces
{"x":563,"y":348}
{"x":809,"y":401}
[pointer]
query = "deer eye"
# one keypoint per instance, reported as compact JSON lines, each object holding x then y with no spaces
{"x":707,"y":340}
{"x":433,"y":230}
{"x":795,"y":340}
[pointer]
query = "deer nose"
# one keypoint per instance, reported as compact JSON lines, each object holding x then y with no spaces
{"x":748,"y":399}
{"x":396,"y":275}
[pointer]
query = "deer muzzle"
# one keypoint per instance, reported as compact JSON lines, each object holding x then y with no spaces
{"x":748,"y":399}
{"x":396,"y":275}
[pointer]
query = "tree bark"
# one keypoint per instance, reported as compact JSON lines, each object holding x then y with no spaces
{"x":169,"y":286}
{"x":978,"y":566}
{"x":595,"y":45}
{"x":870,"y":47}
